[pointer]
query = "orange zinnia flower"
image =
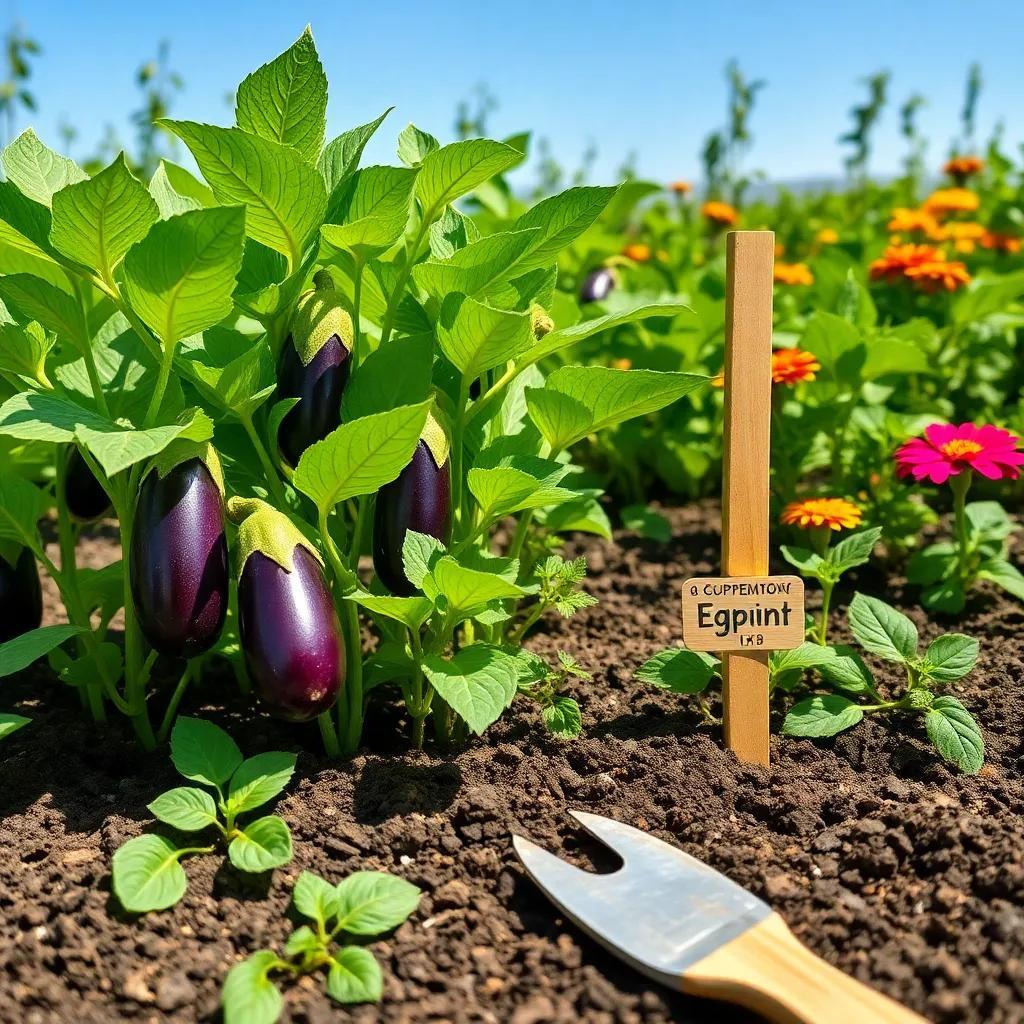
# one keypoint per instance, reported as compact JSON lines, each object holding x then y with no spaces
{"x":680,"y":187}
{"x":719,"y":213}
{"x":792,"y":273}
{"x":960,"y":168}
{"x":834,"y":513}
{"x":909,"y":220}
{"x":793,"y":365}
{"x":622,"y":364}
{"x":1000,"y":242}
{"x":951,"y":200}
{"x":940,"y":275}
{"x":638,"y":252}
{"x":827,"y":236}
{"x":894,"y":262}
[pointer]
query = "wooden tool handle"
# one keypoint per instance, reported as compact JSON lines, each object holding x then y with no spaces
{"x":768,"y":970}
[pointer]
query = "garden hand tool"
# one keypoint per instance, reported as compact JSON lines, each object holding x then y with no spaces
{"x":686,"y":925}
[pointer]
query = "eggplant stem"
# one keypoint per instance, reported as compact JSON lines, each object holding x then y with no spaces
{"x":328,"y":734}
{"x":172,"y":706}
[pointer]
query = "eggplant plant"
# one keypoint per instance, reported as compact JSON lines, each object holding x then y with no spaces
{"x":340,"y":357}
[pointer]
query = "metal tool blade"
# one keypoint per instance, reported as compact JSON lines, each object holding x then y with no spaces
{"x":661,"y":912}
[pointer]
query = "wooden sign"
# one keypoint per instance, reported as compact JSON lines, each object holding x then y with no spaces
{"x":740,"y":613}
{"x":748,"y":397}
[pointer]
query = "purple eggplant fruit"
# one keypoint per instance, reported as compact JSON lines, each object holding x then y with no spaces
{"x":290,"y":635}
{"x":420,"y":500}
{"x":314,"y":367}
{"x":84,"y":495}
{"x":597,"y":285}
{"x":21,"y":596}
{"x":179,"y":560}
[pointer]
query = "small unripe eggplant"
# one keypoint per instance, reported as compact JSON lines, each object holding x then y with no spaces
{"x":597,"y":285}
{"x":288,"y":626}
{"x":314,"y":367}
{"x":290,"y":635}
{"x":84,"y":495}
{"x":21,"y":596}
{"x":419,"y":499}
{"x":179,"y":559}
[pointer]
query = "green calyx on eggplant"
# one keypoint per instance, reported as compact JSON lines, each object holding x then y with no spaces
{"x":21,"y":595}
{"x":420,"y":499}
{"x":84,"y":495}
{"x":314,"y":367}
{"x":288,"y":625}
{"x":597,"y":285}
{"x":179,"y":552}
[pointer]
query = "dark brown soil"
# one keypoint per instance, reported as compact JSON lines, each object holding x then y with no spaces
{"x":884,"y":861}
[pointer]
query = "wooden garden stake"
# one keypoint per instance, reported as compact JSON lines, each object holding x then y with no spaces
{"x":748,"y":613}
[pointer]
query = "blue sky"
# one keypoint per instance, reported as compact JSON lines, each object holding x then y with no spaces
{"x":641,"y":76}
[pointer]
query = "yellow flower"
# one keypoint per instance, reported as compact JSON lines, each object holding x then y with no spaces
{"x":951,"y":200}
{"x":910,"y":220}
{"x":827,"y":236}
{"x":719,"y":213}
{"x":964,"y":234}
{"x":621,"y":364}
{"x":834,"y":513}
{"x":792,"y":273}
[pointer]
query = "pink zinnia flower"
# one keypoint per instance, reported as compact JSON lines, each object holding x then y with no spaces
{"x":947,"y":450}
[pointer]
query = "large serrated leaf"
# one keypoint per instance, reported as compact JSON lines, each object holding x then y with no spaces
{"x":341,"y":156}
{"x":286,"y":100}
{"x":458,"y":168}
{"x":476,"y":337}
{"x":478,"y":683}
{"x":561,"y":219}
{"x":580,"y":400}
{"x":370,"y":211}
{"x":360,"y":457}
{"x":180,"y":278}
{"x":37,"y":170}
{"x":95,"y":222}
{"x":284,"y":196}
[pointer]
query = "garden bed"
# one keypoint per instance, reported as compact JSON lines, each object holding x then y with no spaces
{"x":885,"y":861}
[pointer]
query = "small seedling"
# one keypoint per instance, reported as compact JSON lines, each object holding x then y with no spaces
{"x":543,"y":684}
{"x":364,"y":905}
{"x":880,"y":630}
{"x":147,"y":871}
{"x":883,"y":631}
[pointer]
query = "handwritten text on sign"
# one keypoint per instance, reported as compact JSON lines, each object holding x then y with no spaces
{"x":743,"y":613}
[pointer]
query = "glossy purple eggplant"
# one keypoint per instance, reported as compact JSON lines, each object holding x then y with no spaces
{"x":318,"y":388}
{"x":290,"y":635}
{"x":85,"y":498}
{"x":597,"y":285}
{"x":179,"y":560}
{"x":420,"y":499}
{"x":21,"y":596}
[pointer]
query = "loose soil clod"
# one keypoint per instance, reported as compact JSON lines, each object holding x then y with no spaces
{"x":895,"y":868}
